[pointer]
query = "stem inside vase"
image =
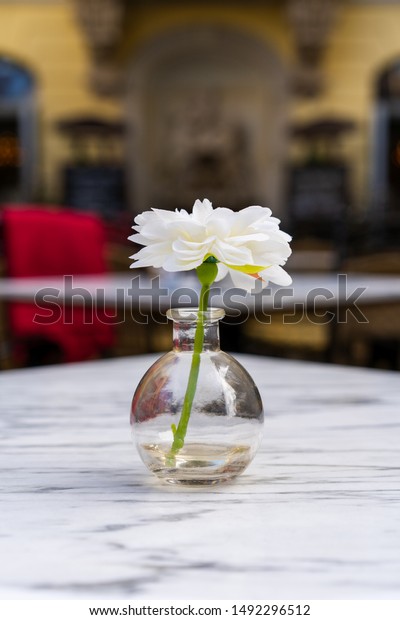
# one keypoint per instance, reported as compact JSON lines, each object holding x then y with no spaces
{"x":206,"y":272}
{"x":180,"y":431}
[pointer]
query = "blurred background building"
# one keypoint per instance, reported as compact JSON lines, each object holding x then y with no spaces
{"x":113,"y":106}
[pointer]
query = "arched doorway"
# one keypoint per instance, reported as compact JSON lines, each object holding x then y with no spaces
{"x":17,"y":131}
{"x":207,"y":111}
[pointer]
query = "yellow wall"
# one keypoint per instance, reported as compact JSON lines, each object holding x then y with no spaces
{"x":46,"y":37}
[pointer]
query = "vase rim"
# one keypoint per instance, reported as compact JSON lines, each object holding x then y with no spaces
{"x":192,"y":314}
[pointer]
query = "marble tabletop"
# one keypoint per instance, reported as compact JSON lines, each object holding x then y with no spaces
{"x":315,"y":516}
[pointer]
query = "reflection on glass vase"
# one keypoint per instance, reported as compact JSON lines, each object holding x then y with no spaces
{"x":226,"y":416}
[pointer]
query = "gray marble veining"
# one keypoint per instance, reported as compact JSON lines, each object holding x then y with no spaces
{"x":316,"y":515}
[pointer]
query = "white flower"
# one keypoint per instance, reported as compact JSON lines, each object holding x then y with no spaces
{"x":248,"y":244}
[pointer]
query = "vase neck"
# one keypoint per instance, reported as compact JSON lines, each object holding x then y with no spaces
{"x":185,"y":322}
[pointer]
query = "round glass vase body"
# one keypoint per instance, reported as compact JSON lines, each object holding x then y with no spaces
{"x":225,"y":424}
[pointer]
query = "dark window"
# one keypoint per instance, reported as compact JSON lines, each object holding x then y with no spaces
{"x":388,"y":85}
{"x":17,"y":133}
{"x":10,"y":158}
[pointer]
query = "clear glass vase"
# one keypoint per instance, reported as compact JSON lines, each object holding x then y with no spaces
{"x":226,"y":419}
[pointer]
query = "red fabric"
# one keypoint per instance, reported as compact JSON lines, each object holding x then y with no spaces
{"x":41,"y":242}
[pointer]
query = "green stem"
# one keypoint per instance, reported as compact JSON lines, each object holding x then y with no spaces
{"x":180,"y":431}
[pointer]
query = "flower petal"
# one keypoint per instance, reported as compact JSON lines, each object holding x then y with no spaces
{"x":276,"y":274}
{"x":202,"y":209}
{"x":230,"y":254}
{"x":242,"y":280}
{"x":222,"y":272}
